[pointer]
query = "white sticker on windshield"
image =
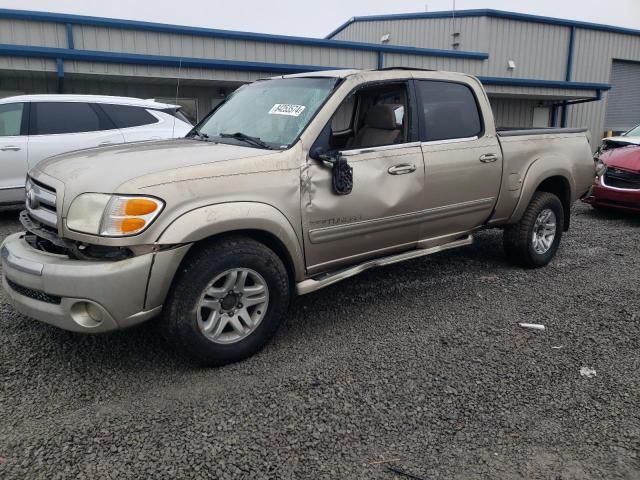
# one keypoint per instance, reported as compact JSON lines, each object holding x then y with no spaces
{"x":287,"y":109}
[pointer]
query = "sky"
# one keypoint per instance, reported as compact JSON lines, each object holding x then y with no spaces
{"x":318,"y":17}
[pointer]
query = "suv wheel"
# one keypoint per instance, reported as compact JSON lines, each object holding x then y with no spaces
{"x":534,"y":240}
{"x":227,"y":301}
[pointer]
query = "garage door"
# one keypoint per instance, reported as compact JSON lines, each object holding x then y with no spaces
{"x":623,"y":103}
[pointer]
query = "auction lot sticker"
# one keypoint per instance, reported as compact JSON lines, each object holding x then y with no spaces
{"x":287,"y":109}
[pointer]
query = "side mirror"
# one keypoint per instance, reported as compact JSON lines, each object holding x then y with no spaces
{"x":341,"y":171}
{"x":342,"y":176}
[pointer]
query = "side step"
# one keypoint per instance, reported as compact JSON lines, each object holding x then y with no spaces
{"x":313,"y":284}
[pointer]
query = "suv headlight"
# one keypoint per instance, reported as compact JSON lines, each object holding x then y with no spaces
{"x":601,"y":168}
{"x":112,"y":215}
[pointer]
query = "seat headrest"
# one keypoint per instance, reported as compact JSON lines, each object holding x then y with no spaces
{"x":382,"y":116}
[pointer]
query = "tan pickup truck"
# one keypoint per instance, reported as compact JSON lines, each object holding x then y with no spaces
{"x":292,"y":184}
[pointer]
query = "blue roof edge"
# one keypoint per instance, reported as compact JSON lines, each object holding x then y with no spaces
{"x":65,"y":18}
{"x":525,"y":17}
{"x":135,"y":58}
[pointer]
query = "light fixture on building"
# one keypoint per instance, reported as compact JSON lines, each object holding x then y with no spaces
{"x":511,"y":64}
{"x":385,"y":38}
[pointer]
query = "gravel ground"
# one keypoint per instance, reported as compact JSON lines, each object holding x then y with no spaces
{"x":422,"y":362}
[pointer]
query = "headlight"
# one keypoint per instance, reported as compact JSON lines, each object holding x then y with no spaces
{"x":112,"y":215}
{"x":601,"y":168}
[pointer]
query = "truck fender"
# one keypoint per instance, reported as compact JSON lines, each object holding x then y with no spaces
{"x":540,"y":170}
{"x":205,"y":222}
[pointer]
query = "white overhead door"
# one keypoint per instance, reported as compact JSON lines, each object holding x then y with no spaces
{"x":623,"y":102}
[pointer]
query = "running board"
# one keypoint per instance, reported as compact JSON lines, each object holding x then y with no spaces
{"x":313,"y":284}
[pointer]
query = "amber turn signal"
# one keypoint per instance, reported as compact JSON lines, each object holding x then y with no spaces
{"x":139,"y":206}
{"x":128,"y":225}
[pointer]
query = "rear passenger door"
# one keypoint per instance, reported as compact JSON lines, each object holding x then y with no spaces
{"x":463,"y":159}
{"x":13,"y":151}
{"x":59,"y":127}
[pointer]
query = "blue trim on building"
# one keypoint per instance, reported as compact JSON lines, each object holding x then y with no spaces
{"x":216,"y":64}
{"x":231,"y":34}
{"x":161,"y":60}
{"x":489,"y":13}
{"x":529,"y":82}
{"x":380,"y":60}
{"x":60,"y":74}
{"x":70,"y":43}
{"x":572,"y":39}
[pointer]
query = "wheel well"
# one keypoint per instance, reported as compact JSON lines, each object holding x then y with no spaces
{"x":267,"y":239}
{"x":560,"y":187}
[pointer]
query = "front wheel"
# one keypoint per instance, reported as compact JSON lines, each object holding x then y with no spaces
{"x":227,"y":301}
{"x":534,"y":240}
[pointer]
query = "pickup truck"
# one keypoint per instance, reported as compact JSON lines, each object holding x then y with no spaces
{"x":292,"y":184}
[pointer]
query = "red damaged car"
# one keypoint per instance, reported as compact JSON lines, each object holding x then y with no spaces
{"x":617,"y":184}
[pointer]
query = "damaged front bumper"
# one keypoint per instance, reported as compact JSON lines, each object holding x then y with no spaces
{"x":84,"y":295}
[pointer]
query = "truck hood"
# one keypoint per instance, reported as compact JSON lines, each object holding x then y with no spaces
{"x":626,"y":158}
{"x":103,"y":169}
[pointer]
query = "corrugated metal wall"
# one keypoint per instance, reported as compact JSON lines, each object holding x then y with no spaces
{"x":594,"y":54}
{"x":510,"y":112}
{"x":539,"y":50}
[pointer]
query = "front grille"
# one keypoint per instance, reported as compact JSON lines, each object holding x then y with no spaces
{"x":622,"y":179}
{"x":34,"y":294}
{"x":41,"y":203}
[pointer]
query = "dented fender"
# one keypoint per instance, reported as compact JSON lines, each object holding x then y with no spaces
{"x":205,"y":222}
{"x":540,"y":170}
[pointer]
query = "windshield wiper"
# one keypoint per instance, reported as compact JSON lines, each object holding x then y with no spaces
{"x":197,"y":133}
{"x":248,"y":139}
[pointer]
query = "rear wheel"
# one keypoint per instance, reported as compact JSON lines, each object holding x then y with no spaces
{"x":226,"y":302}
{"x":534,"y":240}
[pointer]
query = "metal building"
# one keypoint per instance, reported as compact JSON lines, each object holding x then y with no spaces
{"x":538,"y":71}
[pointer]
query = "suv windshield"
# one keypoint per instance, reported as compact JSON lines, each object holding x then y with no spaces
{"x":272,"y":112}
{"x":634,"y":132}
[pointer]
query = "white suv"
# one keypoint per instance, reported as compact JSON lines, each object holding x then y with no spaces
{"x":34,"y":127}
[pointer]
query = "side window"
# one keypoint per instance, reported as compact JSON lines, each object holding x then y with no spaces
{"x":449,"y":110}
{"x":48,"y":118}
{"x":372,"y":116}
{"x":10,"y":119}
{"x":126,"y":116}
{"x":341,"y":120}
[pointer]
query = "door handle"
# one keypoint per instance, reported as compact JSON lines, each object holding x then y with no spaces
{"x":402,"y":169}
{"x":10,"y":148}
{"x":488,"y":158}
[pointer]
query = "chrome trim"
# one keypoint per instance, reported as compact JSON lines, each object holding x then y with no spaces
{"x":313,"y":284}
{"x":36,"y":195}
{"x":617,"y":188}
{"x":451,"y":140}
{"x":383,"y":148}
{"x":21,"y":264}
{"x":340,"y":232}
{"x":15,"y":187}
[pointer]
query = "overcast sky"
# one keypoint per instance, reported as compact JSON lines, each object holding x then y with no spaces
{"x":316,"y":18}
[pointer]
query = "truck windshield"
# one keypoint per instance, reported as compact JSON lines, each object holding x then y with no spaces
{"x":267,"y":113}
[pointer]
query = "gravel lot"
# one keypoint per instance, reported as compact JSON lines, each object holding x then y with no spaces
{"x":421,"y":362}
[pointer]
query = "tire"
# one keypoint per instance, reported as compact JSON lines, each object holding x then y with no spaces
{"x":518,"y":238}
{"x":187,"y":316}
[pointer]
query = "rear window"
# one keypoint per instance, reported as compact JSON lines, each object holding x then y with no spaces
{"x":48,"y":118}
{"x":449,"y":110}
{"x":126,"y":116}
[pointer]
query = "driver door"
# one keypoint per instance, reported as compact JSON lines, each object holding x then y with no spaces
{"x":382,"y":212}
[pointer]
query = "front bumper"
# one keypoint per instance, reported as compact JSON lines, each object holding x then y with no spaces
{"x":86,"y":296}
{"x":605,"y":196}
